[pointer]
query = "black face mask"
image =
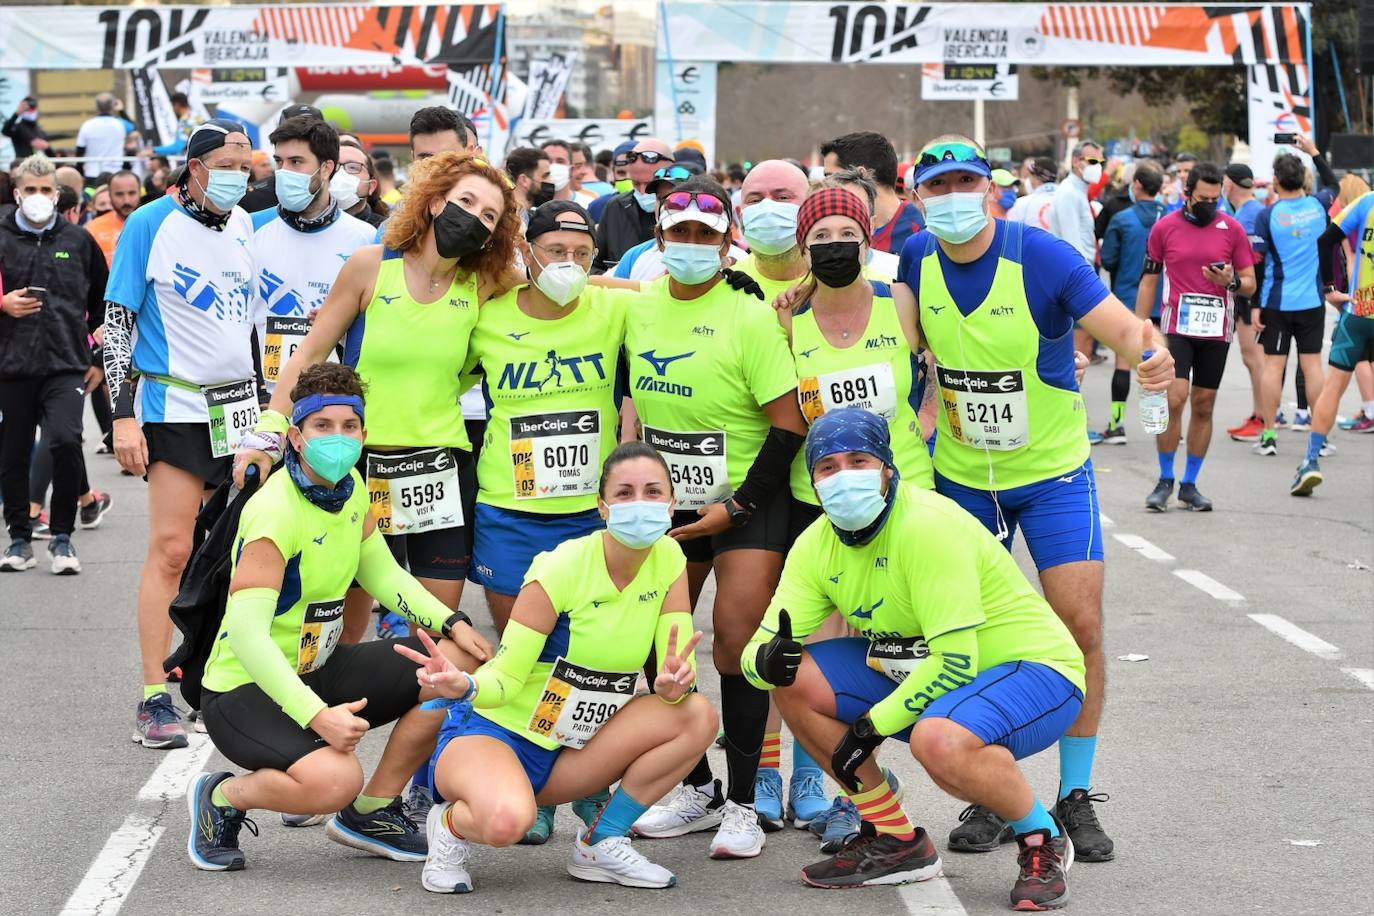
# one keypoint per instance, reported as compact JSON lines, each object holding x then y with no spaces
{"x":457,"y":233}
{"x":542,"y":195}
{"x":1202,"y":212}
{"x":835,"y":264}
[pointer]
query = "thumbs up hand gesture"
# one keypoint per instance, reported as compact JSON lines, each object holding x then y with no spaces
{"x":1156,"y":369}
{"x":779,"y":658}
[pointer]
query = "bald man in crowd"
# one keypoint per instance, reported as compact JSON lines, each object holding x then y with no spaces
{"x":770,"y":196}
{"x":629,"y":218}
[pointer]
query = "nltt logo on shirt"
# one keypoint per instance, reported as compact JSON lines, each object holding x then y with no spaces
{"x":881,"y":342}
{"x":552,"y":372}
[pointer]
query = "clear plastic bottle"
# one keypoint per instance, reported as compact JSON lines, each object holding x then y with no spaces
{"x":1153,"y":407}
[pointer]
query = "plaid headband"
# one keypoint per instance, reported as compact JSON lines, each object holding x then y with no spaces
{"x":832,"y":202}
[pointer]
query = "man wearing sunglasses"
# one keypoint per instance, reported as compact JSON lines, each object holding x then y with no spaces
{"x":629,"y":218}
{"x":1071,"y":216}
{"x":996,"y":301}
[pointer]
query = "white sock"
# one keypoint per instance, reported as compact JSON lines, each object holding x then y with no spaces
{"x":1369,"y":408}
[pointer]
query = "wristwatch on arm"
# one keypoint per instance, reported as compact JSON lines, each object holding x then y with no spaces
{"x":739,"y":515}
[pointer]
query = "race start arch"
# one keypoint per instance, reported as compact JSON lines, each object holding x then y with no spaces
{"x":1272,"y":40}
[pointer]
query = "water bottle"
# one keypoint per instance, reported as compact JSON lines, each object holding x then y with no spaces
{"x":1154,"y":407}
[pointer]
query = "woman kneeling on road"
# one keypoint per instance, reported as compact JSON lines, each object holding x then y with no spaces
{"x":553,"y":716}
{"x":282,"y":697}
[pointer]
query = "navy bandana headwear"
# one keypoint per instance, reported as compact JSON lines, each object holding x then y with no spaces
{"x":852,"y":429}
{"x":330,"y":499}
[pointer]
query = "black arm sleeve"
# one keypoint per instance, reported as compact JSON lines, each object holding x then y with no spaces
{"x":119,"y":359}
{"x":8,"y":128}
{"x":1325,"y":176}
{"x":97,"y":275}
{"x":1326,"y":247}
{"x":771,"y":468}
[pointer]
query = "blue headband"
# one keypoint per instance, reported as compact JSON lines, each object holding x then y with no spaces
{"x":316,"y":402}
{"x":849,"y":429}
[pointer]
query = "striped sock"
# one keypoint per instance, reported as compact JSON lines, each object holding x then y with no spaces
{"x":448,"y":822}
{"x":882,"y":810}
{"x":771,"y":758}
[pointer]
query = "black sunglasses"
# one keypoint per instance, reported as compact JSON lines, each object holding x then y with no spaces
{"x":648,"y":156}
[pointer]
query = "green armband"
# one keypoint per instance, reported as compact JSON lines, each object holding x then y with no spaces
{"x":270,"y":421}
{"x":502,"y":678}
{"x":397,"y":590}
{"x":683,"y":621}
{"x":248,"y":621}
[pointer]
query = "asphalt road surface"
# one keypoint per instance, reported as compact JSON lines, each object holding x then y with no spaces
{"x":1237,"y":755}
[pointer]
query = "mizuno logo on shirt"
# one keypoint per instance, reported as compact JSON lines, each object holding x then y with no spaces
{"x":660,"y":363}
{"x":320,"y":540}
{"x":518,"y":336}
{"x":596,"y":603}
{"x":936,"y":309}
{"x":388,"y":299}
{"x":863,"y":614}
{"x":806,"y":353}
{"x":341,"y":255}
{"x":836,"y":578}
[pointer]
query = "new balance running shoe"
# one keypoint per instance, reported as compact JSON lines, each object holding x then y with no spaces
{"x":1043,"y":882}
{"x":873,"y":858}
{"x":768,"y":798}
{"x":386,"y":832}
{"x":213,"y":843}
{"x":158,"y":724}
{"x":979,"y":830}
{"x":686,"y":810}
{"x":806,"y":799}
{"x":739,"y":835}
{"x":615,"y":861}
{"x":1090,"y":842}
{"x":446,"y":864}
{"x":1308,"y":478}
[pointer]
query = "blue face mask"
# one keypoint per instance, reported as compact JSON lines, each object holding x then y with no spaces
{"x":852,"y":500}
{"x":1008,"y":199}
{"x":332,"y":457}
{"x":638,"y":524}
{"x":646,"y":201}
{"x":770,"y":226}
{"x":956,"y":217}
{"x":691,"y":264}
{"x":293,"y":190}
{"x":1261,"y":194}
{"x":226,"y":188}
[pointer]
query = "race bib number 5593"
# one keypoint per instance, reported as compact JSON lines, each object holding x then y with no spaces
{"x":414,"y":491}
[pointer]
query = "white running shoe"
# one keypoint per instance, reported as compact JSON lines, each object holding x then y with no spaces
{"x":302,"y":820}
{"x":740,"y":836}
{"x":685,"y":810}
{"x":615,"y":861}
{"x":446,"y":865}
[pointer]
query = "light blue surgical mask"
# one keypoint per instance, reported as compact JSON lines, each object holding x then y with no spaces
{"x":293,"y":190}
{"x":691,"y":264}
{"x":1261,"y":194}
{"x":226,"y":188}
{"x":770,"y":226}
{"x":638,"y":524}
{"x":332,"y":457}
{"x":956,"y":217}
{"x":646,"y":201}
{"x":852,"y":499}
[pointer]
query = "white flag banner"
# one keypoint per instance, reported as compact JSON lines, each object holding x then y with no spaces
{"x":547,"y":82}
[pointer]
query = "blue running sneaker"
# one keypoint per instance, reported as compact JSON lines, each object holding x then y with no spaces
{"x":1309,"y":477}
{"x":805,"y":796}
{"x":392,"y":626}
{"x":820,"y":821}
{"x":542,"y":828}
{"x":768,"y":799}
{"x":213,"y":843}
{"x":842,"y":826}
{"x":386,"y":832}
{"x":1095,"y":438}
{"x":588,"y":808}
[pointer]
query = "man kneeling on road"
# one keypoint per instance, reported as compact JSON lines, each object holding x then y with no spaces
{"x":959,"y":656}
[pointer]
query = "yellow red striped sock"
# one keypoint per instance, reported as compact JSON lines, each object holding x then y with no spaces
{"x":771,"y":757}
{"x":882,"y":810}
{"x":448,"y":822}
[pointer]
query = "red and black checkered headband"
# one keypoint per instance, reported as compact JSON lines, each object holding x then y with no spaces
{"x":832,"y":202}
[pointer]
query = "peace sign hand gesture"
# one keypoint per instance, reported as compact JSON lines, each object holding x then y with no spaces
{"x":437,"y":673}
{"x":675,"y":676}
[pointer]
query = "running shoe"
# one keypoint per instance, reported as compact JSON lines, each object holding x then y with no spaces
{"x":1043,"y":882}
{"x":197,"y":720}
{"x":615,"y":861}
{"x":1280,"y":422}
{"x":1327,"y":450}
{"x":687,"y":809}
{"x":1349,"y":422}
{"x":418,"y":802}
{"x":158,"y":724}
{"x":541,"y":829}
{"x":63,"y":556}
{"x":446,"y":864}
{"x":588,"y":808}
{"x":213,"y":843}
{"x":302,"y":820}
{"x":1362,"y":424}
{"x":979,"y":830}
{"x":1095,"y":438}
{"x":806,"y":799}
{"x":1158,"y":500}
{"x":768,"y":799}
{"x":739,"y":836}
{"x":842,"y":825}
{"x":1190,"y":498}
{"x":1308,"y":479}
{"x":387,"y":832}
{"x":18,"y":557}
{"x":1302,"y":421}
{"x":1114,"y":435}
{"x":392,"y":626}
{"x":874,"y":858}
{"x":38,"y":527}
{"x":94,"y":512}
{"x":1269,"y":445}
{"x":103,"y":449}
{"x":821,"y":821}
{"x":1249,"y":431}
{"x":1090,"y":841}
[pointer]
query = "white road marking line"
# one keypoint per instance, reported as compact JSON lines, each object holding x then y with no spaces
{"x":1363,"y":675}
{"x":1106,"y":522}
{"x":1143,"y":547}
{"x":935,"y":897}
{"x":111,"y":877}
{"x":1208,"y":584}
{"x":1291,"y":632}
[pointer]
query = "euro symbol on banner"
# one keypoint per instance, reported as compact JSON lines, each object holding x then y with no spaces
{"x":640,"y":129}
{"x":539,"y":135}
{"x":686,"y":108}
{"x":590,"y":135}
{"x":996,"y":89}
{"x":689,"y":75}
{"x":269,"y":92}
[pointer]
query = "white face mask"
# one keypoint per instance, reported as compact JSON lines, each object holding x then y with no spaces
{"x":37,"y":208}
{"x":560,"y":175}
{"x":562,"y":281}
{"x":1092,"y":173}
{"x":344,"y":188}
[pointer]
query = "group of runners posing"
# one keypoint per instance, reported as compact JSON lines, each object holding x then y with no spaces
{"x":642,"y":436}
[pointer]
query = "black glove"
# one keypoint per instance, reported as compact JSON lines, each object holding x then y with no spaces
{"x":778,"y":659}
{"x":854,"y":748}
{"x":738,"y":279}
